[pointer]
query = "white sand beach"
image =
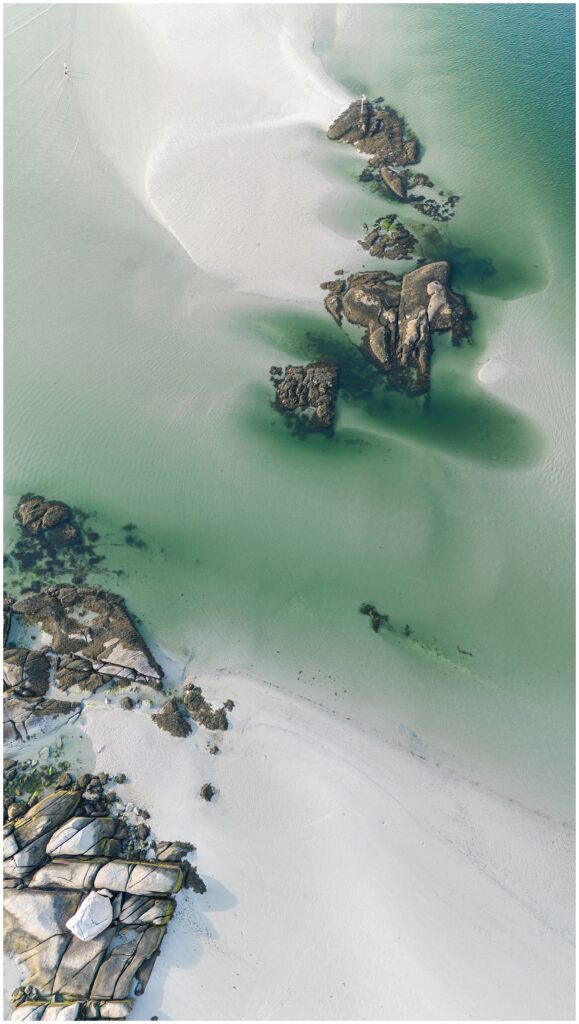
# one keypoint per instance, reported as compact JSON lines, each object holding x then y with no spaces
{"x":346,"y":878}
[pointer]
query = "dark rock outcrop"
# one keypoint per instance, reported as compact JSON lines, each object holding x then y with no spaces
{"x":389,"y":239}
{"x":399,"y":318}
{"x":35,"y":513}
{"x":309,"y":391}
{"x":172,"y":719}
{"x":207,"y":791}
{"x":26,"y":673}
{"x":378,"y":131}
{"x":201,"y":710}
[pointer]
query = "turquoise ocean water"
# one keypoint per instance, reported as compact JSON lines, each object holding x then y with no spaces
{"x":131,"y":395}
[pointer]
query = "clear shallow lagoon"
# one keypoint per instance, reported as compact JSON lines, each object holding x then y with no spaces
{"x":137,"y":388}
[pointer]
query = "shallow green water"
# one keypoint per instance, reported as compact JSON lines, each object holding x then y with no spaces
{"x":138,"y":390}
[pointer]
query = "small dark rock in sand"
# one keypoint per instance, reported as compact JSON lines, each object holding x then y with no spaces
{"x":171,"y":719}
{"x":207,"y":791}
{"x":127,"y":704}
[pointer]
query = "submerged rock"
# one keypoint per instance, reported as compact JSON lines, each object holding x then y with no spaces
{"x":308,"y":390}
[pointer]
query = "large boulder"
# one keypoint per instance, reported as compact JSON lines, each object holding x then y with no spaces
{"x":133,"y":946}
{"x":35,"y":513}
{"x":80,"y":837}
{"x":60,"y":873}
{"x":394,"y":181}
{"x":45,"y":816}
{"x":26,"y":718}
{"x":140,"y":878}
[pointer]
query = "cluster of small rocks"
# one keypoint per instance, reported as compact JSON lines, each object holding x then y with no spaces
{"x":67,"y":853}
{"x":389,"y":239}
{"x":380,"y":132}
{"x":175,"y":714}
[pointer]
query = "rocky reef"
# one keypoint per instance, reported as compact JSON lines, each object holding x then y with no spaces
{"x":88,"y":897}
{"x":399,"y":318}
{"x":378,"y":131}
{"x":381,"y":133}
{"x":88,"y":892}
{"x":307,"y":392}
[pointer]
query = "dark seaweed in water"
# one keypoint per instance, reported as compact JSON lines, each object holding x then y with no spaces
{"x":132,"y":538}
{"x":38,"y":559}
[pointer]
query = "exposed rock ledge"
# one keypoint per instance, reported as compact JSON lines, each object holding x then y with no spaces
{"x":93,"y":642}
{"x":400,"y":318}
{"x":93,"y":636}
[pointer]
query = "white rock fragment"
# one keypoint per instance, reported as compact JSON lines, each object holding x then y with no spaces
{"x":10,"y":847}
{"x":92,"y":917}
